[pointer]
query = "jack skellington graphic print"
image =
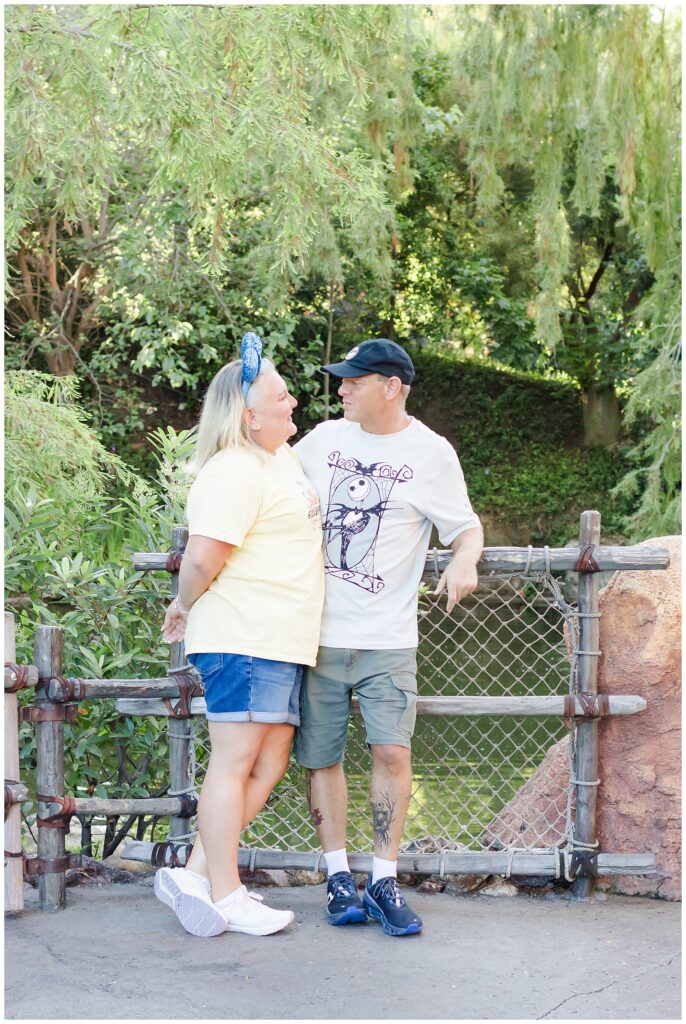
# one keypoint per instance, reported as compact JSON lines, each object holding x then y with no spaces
{"x":359,"y":497}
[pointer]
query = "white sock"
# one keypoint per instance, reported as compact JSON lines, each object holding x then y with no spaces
{"x":227,"y":901}
{"x":336,"y":860}
{"x":383,"y":868}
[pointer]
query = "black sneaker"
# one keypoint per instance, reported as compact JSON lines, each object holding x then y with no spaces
{"x":343,"y":905}
{"x":384,"y":902}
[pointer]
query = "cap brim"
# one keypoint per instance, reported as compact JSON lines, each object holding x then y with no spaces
{"x":344,"y":369}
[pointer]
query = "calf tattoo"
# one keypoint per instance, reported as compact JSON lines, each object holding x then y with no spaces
{"x":383,"y":816}
{"x":317,"y":816}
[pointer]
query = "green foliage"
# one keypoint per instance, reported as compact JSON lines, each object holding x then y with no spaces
{"x":501,"y":181}
{"x":569,"y":131}
{"x":48,"y":442}
{"x":69,"y":540}
{"x":518,"y":438}
{"x":655,"y":478}
{"x":226,"y":100}
{"x":545,"y":81}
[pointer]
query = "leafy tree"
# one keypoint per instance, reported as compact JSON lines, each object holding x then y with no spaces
{"x":267,"y":107}
{"x":499,"y":179}
{"x":584,"y":102}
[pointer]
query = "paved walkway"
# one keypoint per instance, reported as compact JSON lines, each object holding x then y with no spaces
{"x":117,"y":953}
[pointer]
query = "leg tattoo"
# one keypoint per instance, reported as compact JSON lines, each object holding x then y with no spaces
{"x":317,"y":816}
{"x":383,"y":817}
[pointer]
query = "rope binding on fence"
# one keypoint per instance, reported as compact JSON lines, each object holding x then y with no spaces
{"x":189,"y":687}
{"x":50,"y":713}
{"x":584,"y":864}
{"x":174,"y":560}
{"x":20,"y":677}
{"x":71,"y":690}
{"x":593,"y":705}
{"x":60,"y":819}
{"x":8,"y":795}
{"x":189,"y":806}
{"x":50,"y":865}
{"x":159,"y":854}
{"x":586,"y":563}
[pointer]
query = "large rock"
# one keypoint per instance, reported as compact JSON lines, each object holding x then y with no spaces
{"x":639,"y":805}
{"x":535,"y":817}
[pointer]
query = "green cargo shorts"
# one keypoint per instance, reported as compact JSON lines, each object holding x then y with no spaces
{"x":385,"y":683}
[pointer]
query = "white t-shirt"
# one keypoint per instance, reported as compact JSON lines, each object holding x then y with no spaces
{"x":379,"y":495}
{"x":267,"y":598}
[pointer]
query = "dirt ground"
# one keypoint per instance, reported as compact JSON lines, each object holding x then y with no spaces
{"x":117,"y":953}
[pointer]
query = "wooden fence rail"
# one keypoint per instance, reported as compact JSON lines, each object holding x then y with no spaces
{"x":607,"y":558}
{"x":432,"y":706}
{"x":447,"y":862}
{"x":147,"y":697}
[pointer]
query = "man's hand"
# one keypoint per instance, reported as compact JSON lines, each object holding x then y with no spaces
{"x":174,"y":626}
{"x":459,"y":580}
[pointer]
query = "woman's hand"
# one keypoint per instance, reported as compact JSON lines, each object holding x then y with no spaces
{"x":202,"y":560}
{"x":174,"y":626}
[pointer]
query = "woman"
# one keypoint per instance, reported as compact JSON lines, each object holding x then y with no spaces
{"x":251,"y":588}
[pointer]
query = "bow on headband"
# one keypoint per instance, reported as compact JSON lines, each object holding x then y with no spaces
{"x":251,"y":355}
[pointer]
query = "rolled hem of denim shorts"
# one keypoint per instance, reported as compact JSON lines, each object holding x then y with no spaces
{"x":269,"y":717}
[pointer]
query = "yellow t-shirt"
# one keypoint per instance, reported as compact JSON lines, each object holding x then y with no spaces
{"x":266,"y":600}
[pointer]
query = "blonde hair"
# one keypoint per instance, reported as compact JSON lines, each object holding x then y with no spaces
{"x":222,"y":424}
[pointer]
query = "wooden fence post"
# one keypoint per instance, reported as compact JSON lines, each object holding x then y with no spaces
{"x":49,"y":767}
{"x":178,"y":729}
{"x":586,"y":760}
{"x":14,"y":866}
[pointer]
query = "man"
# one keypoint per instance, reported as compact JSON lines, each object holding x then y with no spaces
{"x":383,"y":479}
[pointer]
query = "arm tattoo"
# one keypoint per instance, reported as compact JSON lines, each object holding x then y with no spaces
{"x":383,"y":816}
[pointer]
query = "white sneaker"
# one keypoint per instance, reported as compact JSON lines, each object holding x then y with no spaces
{"x":246,"y":913}
{"x":190,"y":898}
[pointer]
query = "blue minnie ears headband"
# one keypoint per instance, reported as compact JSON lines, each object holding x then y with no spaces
{"x":251,"y":356}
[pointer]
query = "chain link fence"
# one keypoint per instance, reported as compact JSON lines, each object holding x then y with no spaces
{"x":507,"y":639}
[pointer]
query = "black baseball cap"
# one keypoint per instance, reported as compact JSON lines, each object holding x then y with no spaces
{"x":378,"y":355}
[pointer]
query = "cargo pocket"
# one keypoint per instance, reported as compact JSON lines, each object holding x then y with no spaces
{"x":406,"y":682}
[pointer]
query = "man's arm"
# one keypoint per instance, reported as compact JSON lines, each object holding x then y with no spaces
{"x":460,"y":577}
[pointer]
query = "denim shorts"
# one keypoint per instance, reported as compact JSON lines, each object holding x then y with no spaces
{"x":385,"y":683}
{"x":240,"y":688}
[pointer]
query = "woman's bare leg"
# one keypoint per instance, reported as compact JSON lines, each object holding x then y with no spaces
{"x":221,"y":809}
{"x":270,"y":766}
